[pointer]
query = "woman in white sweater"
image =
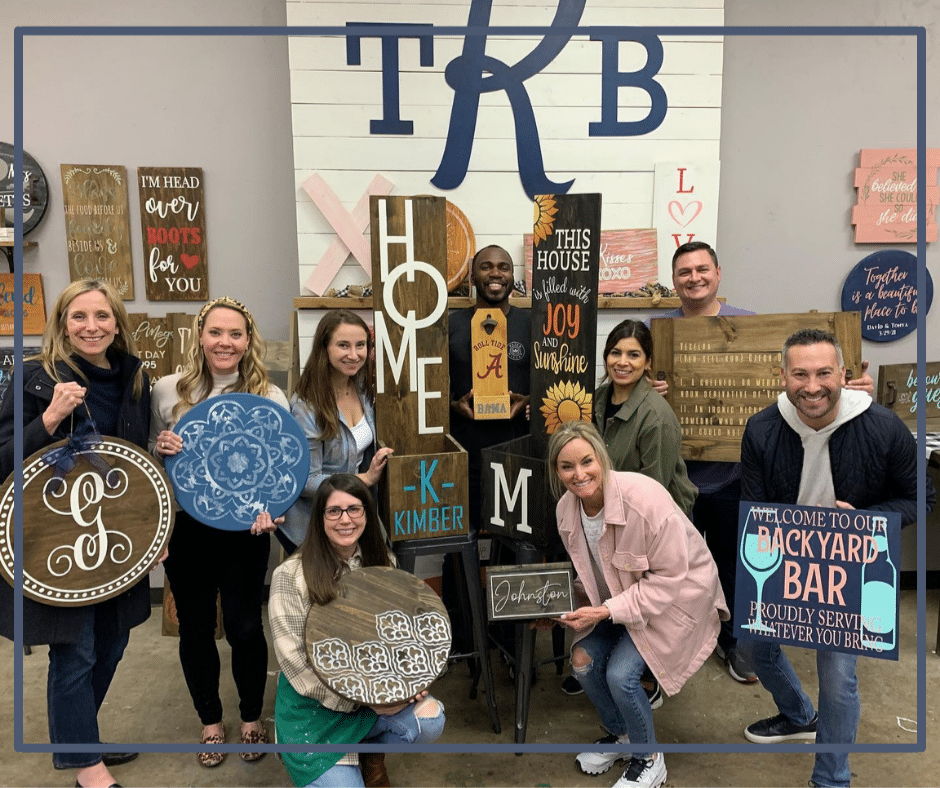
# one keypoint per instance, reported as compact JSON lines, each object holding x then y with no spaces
{"x":205,"y":562}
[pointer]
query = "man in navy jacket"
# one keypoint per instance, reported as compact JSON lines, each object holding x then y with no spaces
{"x":822,"y":445}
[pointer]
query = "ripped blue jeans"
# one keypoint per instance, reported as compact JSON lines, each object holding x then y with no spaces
{"x":404,"y":727}
{"x":612,"y":683}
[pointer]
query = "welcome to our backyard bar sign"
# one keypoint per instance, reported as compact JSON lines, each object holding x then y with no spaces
{"x":819,"y":578}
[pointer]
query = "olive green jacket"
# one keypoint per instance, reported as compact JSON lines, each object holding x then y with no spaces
{"x":644,"y":437}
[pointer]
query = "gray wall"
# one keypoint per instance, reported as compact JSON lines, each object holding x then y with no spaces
{"x":220,"y":103}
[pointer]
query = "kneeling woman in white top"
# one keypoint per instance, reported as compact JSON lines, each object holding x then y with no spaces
{"x":650,"y":594}
{"x":345,"y":535}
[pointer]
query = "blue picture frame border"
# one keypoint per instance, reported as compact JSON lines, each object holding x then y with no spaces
{"x":920,"y":36}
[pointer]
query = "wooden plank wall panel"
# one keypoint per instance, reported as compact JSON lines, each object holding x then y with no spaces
{"x":333,"y":104}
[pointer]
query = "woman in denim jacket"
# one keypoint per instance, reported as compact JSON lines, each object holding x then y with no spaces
{"x":333,"y":404}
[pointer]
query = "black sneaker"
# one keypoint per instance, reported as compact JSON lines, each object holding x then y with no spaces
{"x":738,"y":669}
{"x":571,"y":686}
{"x":778,"y":729}
{"x":655,"y":695}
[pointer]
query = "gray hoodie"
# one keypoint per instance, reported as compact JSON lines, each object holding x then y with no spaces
{"x":816,"y":487}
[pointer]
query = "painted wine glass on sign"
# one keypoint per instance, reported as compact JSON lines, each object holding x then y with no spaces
{"x":761,"y":557}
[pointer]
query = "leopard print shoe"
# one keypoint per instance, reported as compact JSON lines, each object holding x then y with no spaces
{"x":212,"y":759}
{"x":253,"y":736}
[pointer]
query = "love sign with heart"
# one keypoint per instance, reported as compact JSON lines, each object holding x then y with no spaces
{"x":685,"y":207}
{"x":173,"y":228}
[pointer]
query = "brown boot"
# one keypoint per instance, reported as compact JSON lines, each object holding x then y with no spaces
{"x":372,"y":765}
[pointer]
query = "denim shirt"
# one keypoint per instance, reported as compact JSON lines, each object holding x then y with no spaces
{"x":326,"y":458}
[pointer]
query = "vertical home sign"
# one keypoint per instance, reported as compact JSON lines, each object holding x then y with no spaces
{"x":97,"y":228}
{"x":173,"y":230}
{"x":425,"y":487}
{"x":565,"y":256}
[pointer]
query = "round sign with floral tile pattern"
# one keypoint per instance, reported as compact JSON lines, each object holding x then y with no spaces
{"x":384,"y":639}
{"x":242,"y":455}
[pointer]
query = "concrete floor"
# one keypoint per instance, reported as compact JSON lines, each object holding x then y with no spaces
{"x":148,"y":702}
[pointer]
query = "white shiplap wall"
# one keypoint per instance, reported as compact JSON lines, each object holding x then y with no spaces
{"x":332,"y":104}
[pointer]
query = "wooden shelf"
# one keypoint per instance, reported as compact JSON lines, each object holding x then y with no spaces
{"x":604,"y":302}
{"x":26,"y":244}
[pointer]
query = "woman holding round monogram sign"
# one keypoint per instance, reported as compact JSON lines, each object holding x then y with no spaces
{"x":87,"y":379}
{"x":205,"y":562}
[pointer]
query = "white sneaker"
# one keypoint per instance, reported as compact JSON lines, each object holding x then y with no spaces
{"x":600,"y":762}
{"x":643,"y":773}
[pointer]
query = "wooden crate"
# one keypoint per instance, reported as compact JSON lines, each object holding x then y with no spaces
{"x":424,"y":496}
{"x":517,"y":501}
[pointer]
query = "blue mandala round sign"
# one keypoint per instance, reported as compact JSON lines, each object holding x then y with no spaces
{"x":242,"y":455}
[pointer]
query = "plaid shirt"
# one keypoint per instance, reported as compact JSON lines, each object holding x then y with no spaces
{"x":288,"y":606}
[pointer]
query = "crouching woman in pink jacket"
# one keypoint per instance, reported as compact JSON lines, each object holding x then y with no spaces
{"x":649,"y":589}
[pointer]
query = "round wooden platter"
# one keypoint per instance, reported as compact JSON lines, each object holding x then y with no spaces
{"x":384,"y":639}
{"x":461,"y":246}
{"x":87,"y":535}
{"x":242,"y":455}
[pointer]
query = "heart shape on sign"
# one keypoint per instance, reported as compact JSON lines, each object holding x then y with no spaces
{"x":190,"y":260}
{"x":674,"y":205}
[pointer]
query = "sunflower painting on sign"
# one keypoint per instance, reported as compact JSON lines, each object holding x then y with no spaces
{"x":565,"y":256}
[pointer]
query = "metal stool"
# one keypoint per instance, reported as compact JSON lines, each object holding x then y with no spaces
{"x":466,"y":544}
{"x":524,"y":659}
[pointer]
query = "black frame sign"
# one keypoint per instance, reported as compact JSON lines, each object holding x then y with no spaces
{"x":35,"y":187}
{"x":565,"y":259}
{"x":819,"y":578}
{"x":529,"y":591}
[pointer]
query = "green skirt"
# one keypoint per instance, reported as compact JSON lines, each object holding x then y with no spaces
{"x":302,"y":720}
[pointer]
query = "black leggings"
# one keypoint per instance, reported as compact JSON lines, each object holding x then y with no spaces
{"x":203,"y":562}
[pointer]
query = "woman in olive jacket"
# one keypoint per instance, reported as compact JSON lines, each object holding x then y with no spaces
{"x":86,"y":371}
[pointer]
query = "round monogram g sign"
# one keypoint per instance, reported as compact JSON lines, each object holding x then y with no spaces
{"x":97,"y":516}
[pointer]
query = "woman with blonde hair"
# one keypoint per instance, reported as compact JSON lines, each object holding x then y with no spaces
{"x":649,"y":591}
{"x":86,"y":379}
{"x":204,"y":562}
{"x":334,"y":405}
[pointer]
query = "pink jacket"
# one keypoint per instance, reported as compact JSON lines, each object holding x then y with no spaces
{"x":662,"y":578}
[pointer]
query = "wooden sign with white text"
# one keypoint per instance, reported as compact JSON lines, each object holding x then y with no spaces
{"x":154,"y":340}
{"x":173,"y":230}
{"x":100,"y":517}
{"x":409,"y":270}
{"x":529,"y":591}
{"x":424,"y":493}
{"x":723,"y":370}
{"x":97,"y":227}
